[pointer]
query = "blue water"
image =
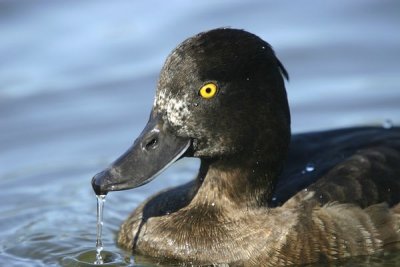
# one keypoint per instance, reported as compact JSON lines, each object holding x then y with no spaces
{"x":77,"y":80}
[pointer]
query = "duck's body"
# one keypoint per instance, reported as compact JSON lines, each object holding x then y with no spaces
{"x":361,"y":164}
{"x":257,"y":201}
{"x":345,"y":206}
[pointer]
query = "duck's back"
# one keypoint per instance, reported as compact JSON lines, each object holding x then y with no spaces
{"x":354,"y":165}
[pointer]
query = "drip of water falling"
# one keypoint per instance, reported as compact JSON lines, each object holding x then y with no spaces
{"x":99,"y":243}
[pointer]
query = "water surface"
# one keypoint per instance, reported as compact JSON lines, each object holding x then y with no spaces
{"x":77,"y":80}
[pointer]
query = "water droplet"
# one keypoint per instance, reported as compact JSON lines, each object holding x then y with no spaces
{"x":305,"y":189}
{"x":99,"y":243}
{"x":310,"y":167}
{"x":213,"y":204}
{"x":247,"y":79}
{"x":195,"y":104}
{"x":274,"y":199}
{"x":262,"y":47}
{"x":387,"y":124}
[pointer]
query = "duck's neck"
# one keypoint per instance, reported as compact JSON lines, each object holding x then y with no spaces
{"x":237,"y":182}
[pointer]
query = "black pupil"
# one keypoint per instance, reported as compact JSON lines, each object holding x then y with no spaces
{"x":208,"y":90}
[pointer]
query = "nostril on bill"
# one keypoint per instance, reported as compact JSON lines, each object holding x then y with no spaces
{"x":152,"y":144}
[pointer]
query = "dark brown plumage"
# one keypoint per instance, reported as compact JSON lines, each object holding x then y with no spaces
{"x":253,"y":203}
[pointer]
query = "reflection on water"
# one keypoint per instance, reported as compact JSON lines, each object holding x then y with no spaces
{"x":76,"y":85}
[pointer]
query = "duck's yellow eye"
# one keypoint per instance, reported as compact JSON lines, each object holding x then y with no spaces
{"x":208,"y":90}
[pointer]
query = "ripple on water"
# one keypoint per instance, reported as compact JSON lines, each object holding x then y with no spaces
{"x":88,"y":257}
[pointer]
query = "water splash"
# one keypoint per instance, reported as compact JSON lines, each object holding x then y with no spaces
{"x":387,"y":124}
{"x":99,"y":243}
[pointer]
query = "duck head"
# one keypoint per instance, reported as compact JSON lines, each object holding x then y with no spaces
{"x":220,"y":97}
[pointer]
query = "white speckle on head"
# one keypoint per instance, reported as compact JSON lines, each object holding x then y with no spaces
{"x":159,"y":100}
{"x":175,"y":108}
